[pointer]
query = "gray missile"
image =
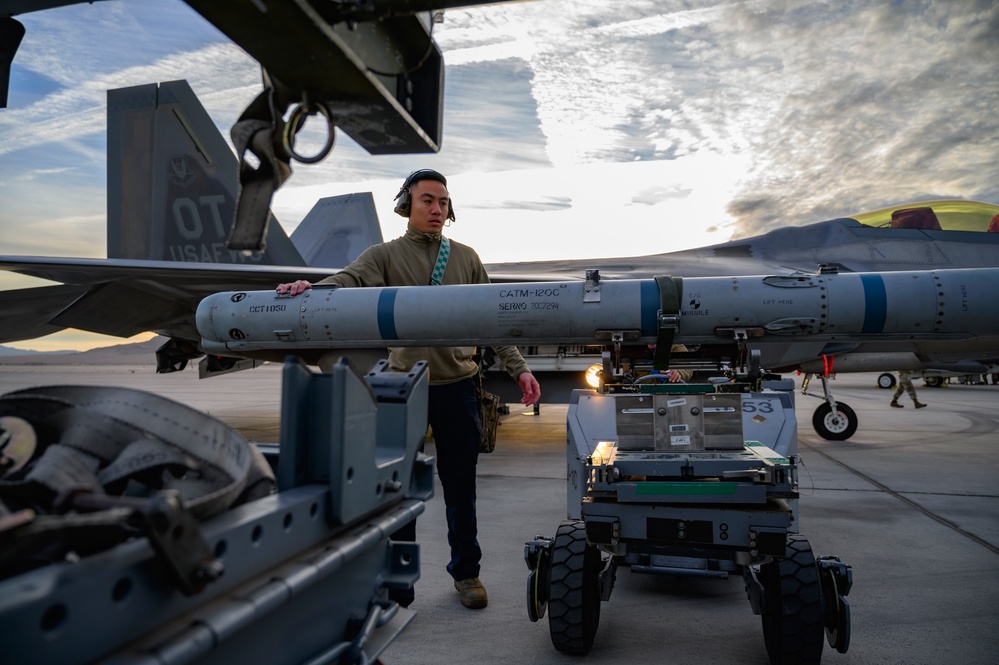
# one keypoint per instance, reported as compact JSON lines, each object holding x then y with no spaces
{"x":807,"y":312}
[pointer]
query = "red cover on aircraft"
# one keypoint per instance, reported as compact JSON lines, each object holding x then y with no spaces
{"x":915,"y":218}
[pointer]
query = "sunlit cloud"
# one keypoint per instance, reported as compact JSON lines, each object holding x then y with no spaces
{"x":81,"y":110}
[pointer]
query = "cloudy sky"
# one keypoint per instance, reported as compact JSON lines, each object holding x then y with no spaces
{"x":572,"y":128}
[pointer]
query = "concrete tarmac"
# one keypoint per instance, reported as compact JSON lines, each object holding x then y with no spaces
{"x":910,"y":502}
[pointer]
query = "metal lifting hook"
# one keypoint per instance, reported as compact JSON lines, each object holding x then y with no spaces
{"x":297,"y":121}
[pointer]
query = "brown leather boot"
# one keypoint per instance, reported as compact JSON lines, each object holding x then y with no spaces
{"x":920,"y":405}
{"x":895,"y":403}
{"x":473,"y":594}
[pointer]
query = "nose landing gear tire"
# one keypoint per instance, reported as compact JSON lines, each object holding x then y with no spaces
{"x":838,"y":425}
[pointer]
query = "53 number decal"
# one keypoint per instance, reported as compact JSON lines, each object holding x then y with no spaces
{"x":757,"y":406}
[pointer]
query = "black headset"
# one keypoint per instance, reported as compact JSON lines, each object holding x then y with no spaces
{"x":403,"y":200}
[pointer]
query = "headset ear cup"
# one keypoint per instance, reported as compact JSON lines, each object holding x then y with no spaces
{"x":402,"y":206}
{"x":402,"y":203}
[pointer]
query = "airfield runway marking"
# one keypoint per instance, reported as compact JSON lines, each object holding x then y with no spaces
{"x":884,"y":488}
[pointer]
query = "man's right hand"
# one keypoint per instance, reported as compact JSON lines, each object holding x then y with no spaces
{"x":294,"y":288}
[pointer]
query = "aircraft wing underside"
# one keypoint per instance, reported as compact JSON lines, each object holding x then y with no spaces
{"x":28,"y":312}
{"x":124,"y":297}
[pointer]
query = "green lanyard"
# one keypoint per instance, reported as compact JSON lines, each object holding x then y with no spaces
{"x":442,"y":254}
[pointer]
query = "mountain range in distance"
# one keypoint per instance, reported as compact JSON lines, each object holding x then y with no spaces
{"x":136,"y":353}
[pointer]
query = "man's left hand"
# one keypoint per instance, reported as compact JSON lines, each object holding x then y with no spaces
{"x":530,"y":387}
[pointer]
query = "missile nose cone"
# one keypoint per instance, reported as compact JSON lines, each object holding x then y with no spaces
{"x":204,"y":317}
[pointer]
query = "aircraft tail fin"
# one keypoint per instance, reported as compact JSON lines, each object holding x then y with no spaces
{"x":172,"y":182}
{"x":337,"y":230}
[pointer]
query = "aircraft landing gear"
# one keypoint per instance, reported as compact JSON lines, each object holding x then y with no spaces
{"x":832,"y":420}
{"x":837,"y":424}
{"x":886,"y":380}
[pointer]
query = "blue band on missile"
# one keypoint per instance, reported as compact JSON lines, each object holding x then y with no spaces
{"x":386,"y":313}
{"x":875,"y":303}
{"x":649,"y":291}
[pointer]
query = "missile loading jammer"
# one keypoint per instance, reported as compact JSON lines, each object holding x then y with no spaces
{"x":696,"y":479}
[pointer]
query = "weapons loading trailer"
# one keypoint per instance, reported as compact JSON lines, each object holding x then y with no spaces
{"x":687,"y":479}
{"x":307,"y":569}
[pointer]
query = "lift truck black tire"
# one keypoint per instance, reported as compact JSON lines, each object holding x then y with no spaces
{"x":574,"y":590}
{"x":793,"y":628}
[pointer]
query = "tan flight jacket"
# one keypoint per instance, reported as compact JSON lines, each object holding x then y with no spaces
{"x":408,"y":261}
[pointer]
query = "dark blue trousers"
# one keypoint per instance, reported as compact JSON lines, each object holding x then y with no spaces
{"x":454,"y":420}
{"x":453,"y":415}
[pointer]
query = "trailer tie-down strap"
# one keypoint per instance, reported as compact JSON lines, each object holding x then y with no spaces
{"x":107,"y":450}
{"x":670,"y":293}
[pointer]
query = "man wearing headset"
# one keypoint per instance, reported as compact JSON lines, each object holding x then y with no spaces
{"x":415,"y":259}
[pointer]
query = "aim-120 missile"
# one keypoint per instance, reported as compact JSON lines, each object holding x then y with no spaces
{"x":808,"y":311}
